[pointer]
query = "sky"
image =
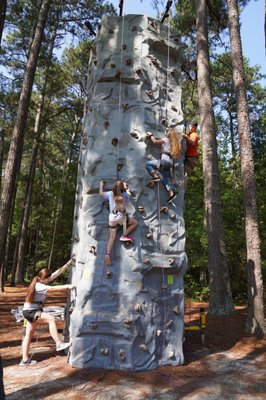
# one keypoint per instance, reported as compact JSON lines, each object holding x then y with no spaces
{"x":252,"y":27}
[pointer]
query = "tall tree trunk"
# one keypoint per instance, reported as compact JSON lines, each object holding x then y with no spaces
{"x":2,"y":138}
{"x":255,"y":317}
{"x":16,"y":145}
{"x":2,"y":17}
{"x":4,"y":267}
{"x":60,"y":203}
{"x":220,"y":293}
{"x":19,"y":256}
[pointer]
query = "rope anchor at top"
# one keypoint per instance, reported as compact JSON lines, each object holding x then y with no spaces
{"x":121,"y":5}
{"x":167,"y":9}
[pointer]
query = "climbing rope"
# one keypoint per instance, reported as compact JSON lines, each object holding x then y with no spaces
{"x":120,"y":92}
{"x":162,"y":266}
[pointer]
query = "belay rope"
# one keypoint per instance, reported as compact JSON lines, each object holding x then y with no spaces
{"x":164,"y":286}
{"x":120,"y":97}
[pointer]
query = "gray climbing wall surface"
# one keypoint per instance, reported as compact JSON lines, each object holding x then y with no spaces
{"x":129,"y":315}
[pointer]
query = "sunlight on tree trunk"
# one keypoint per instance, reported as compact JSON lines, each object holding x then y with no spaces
{"x":255,"y":318}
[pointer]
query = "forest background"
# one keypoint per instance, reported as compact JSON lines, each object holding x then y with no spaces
{"x":40,"y":225}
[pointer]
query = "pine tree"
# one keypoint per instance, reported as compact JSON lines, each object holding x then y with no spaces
{"x":220,"y":291}
{"x":255,"y":317}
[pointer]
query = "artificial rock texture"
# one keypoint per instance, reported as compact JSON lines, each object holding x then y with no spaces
{"x":129,"y":315}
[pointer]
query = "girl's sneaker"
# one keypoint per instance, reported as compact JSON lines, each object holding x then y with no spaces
{"x":155,"y":179}
{"x":28,"y":362}
{"x":107,"y":259}
{"x":126,"y":239}
{"x":62,"y":346}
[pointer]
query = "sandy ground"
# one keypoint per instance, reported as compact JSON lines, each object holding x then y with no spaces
{"x":230,"y":365}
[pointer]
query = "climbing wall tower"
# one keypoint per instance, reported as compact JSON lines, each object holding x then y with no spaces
{"x":129,"y":315}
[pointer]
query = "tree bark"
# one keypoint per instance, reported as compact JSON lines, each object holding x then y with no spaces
{"x":16,"y":145}
{"x":4,"y":267}
{"x":18,"y":269}
{"x":255,"y":317}
{"x":220,"y":293}
{"x":2,"y":139}
{"x":2,"y":17}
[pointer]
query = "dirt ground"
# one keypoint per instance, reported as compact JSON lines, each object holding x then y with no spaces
{"x":230,"y":365}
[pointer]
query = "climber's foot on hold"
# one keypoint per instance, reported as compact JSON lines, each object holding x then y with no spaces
{"x":126,"y":239}
{"x":155,"y":179}
{"x":107,"y":259}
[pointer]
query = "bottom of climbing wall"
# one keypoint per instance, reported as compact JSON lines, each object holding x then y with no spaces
{"x":144,"y":339}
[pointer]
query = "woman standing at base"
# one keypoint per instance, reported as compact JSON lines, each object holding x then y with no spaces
{"x":33,"y":309}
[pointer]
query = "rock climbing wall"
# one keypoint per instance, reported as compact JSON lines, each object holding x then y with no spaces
{"x":129,"y":315}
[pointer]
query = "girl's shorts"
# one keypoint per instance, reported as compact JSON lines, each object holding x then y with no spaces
{"x":32,"y":315}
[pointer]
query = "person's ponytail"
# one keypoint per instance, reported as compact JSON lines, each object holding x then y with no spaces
{"x":118,"y":189}
{"x":31,"y":290}
{"x":43,"y":274}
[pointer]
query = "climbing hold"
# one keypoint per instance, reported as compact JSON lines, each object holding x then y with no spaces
{"x":119,"y":166}
{"x":114,"y":142}
{"x":164,"y":90}
{"x":149,"y":235}
{"x":138,"y":70}
{"x":171,"y":261}
{"x":95,"y":62}
{"x":164,"y":209}
{"x":111,"y":30}
{"x":85,"y":140}
{"x":122,"y":355}
{"x":143,"y":347}
{"x":93,"y":326}
{"x":128,"y":61}
{"x":112,"y":65}
{"x":134,"y":28}
{"x":92,"y":250}
{"x":146,"y":260}
{"x":76,"y":238}
{"x":109,"y":274}
{"x":159,"y":332}
{"x":106,"y":124}
{"x":176,"y":309}
{"x":105,"y":351}
{"x":169,"y":323}
{"x":141,"y":209}
{"x":164,"y":286}
{"x":163,"y":121}
{"x":149,"y":93}
{"x":134,"y":134}
{"x":150,"y":184}
{"x":173,"y":108}
{"x":125,"y":106}
{"x":155,"y":61}
{"x":128,"y":323}
{"x":153,"y":24}
{"x":171,"y":354}
{"x":124,"y":46}
{"x":138,"y":308}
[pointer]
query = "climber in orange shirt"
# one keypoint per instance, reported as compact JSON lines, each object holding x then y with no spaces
{"x":191,"y":155}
